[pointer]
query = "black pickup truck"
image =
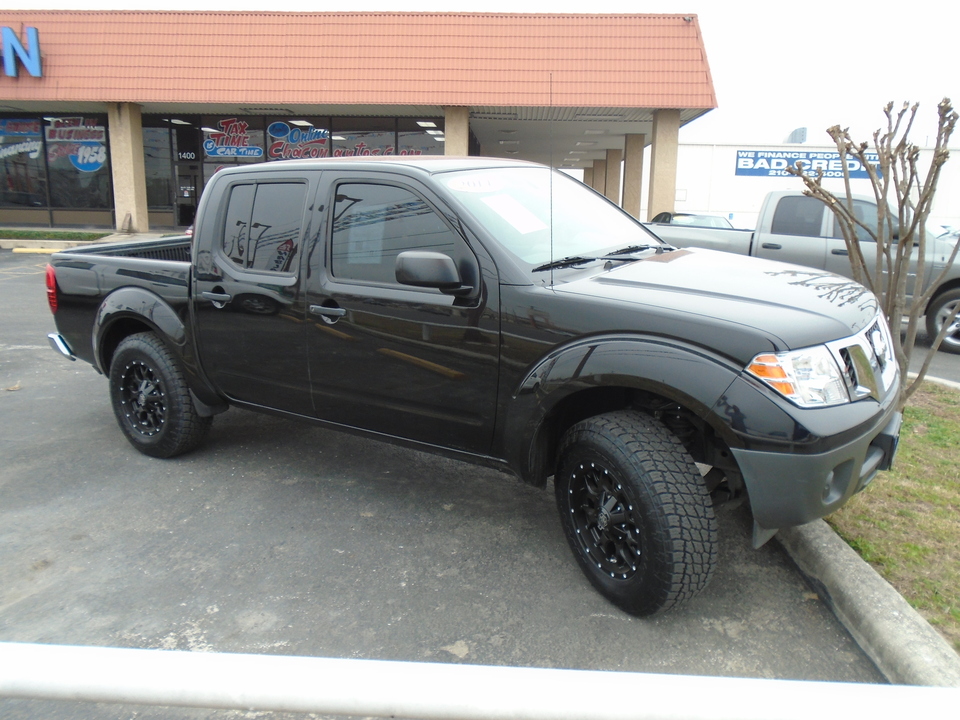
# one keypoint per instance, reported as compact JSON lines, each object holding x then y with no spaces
{"x":503,"y":314}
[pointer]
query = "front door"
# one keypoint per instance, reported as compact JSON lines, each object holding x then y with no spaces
{"x":796,"y":233}
{"x":404,"y":361}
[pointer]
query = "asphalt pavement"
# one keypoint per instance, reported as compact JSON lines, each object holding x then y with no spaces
{"x":279,"y":537}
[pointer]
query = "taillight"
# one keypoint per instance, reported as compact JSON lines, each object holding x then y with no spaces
{"x":52,"y":288}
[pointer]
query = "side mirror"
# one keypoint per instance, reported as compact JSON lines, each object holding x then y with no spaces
{"x":421,"y":268}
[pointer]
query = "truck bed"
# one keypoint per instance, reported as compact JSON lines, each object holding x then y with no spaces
{"x":176,"y":248}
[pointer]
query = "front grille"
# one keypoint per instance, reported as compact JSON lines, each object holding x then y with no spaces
{"x":867,"y":361}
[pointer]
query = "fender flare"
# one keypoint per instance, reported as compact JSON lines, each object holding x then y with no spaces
{"x":151,"y":310}
{"x":137,"y":304}
{"x":685,"y":373}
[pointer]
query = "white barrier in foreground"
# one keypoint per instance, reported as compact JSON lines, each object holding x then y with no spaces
{"x":448,"y":692}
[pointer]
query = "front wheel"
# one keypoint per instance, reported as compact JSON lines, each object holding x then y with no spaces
{"x":937,"y":315}
{"x":151,"y":399}
{"x":635,"y":511}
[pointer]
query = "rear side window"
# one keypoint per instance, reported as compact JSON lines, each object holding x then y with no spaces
{"x":263,"y":226}
{"x":375,"y":223}
{"x":798,"y":215}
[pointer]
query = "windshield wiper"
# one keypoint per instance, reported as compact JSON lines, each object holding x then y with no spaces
{"x":635,"y":249}
{"x":565,"y":262}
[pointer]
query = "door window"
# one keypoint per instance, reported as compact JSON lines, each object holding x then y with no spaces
{"x":798,"y":215}
{"x":375,"y":223}
{"x":263,"y":225}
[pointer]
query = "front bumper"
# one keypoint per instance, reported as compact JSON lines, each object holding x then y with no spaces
{"x":788,"y":489}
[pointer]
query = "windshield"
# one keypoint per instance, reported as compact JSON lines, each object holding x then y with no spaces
{"x":515,"y":206}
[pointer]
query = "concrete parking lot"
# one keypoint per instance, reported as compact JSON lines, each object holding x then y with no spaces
{"x":278,"y":537}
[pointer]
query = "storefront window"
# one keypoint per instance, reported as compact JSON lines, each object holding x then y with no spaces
{"x":56,"y":169}
{"x":24,"y":181}
{"x":420,"y":137}
{"x":78,"y":163}
{"x":157,"y":155}
{"x":357,"y":137}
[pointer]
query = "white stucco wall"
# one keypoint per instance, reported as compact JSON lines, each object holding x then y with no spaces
{"x":707,"y":183}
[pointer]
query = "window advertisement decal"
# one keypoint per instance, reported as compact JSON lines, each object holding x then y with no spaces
{"x":232,"y":138}
{"x":287,"y":141}
{"x":20,"y":137}
{"x":24,"y":178}
{"x":774,"y":163}
{"x":364,"y":144}
{"x":81,"y":140}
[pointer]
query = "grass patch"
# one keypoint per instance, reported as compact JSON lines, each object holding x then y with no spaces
{"x":50,"y":235}
{"x":906,"y":523}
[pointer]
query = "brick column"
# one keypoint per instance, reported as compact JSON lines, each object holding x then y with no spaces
{"x":600,"y":176}
{"x":456,"y":130}
{"x":126,"y":162}
{"x":633,"y":174}
{"x":663,"y":162}
{"x":612,"y":182}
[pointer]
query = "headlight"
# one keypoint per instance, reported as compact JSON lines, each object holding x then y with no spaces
{"x":808,"y":377}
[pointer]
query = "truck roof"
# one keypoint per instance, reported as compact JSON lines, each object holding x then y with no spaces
{"x":427,"y":163}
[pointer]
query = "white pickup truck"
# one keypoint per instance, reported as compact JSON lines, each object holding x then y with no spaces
{"x":798,"y":229}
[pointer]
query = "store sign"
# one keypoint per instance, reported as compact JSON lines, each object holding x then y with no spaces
{"x":231,"y":140}
{"x":774,"y":163}
{"x":288,"y":142}
{"x":20,"y":137}
{"x":79,"y":139}
{"x":14,"y":49}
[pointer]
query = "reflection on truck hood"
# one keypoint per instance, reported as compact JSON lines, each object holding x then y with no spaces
{"x":800,"y":306}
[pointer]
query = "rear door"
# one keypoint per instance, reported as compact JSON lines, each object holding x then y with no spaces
{"x":409,"y":362}
{"x":248,"y":304}
{"x":838,"y":259}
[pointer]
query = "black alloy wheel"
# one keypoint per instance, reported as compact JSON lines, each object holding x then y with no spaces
{"x":607,"y":527}
{"x":635,"y":511}
{"x":142,"y":398}
{"x":151,"y":398}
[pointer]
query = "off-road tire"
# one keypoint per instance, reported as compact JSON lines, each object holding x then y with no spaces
{"x":937,"y":313}
{"x":635,"y":511}
{"x":151,"y":399}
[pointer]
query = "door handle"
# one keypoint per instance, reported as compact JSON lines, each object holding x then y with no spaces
{"x":335,"y":312}
{"x":771,"y":246}
{"x":219,"y":299}
{"x":840,"y":252}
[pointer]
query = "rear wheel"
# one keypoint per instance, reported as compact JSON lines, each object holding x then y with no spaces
{"x":937,"y":315}
{"x":151,"y":399}
{"x":635,"y":511}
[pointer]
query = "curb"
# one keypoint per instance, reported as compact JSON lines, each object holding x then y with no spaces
{"x":47,"y":246}
{"x":902,"y":644}
{"x":938,"y":381}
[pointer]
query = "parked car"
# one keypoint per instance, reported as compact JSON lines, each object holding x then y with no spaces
{"x":691,"y":220}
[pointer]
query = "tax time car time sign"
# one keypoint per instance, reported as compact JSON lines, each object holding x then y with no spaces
{"x":774,"y":163}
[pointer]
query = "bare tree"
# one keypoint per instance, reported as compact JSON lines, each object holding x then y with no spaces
{"x":904,"y":196}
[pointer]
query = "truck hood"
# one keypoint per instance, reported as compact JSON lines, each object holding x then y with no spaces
{"x":736,"y":297}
